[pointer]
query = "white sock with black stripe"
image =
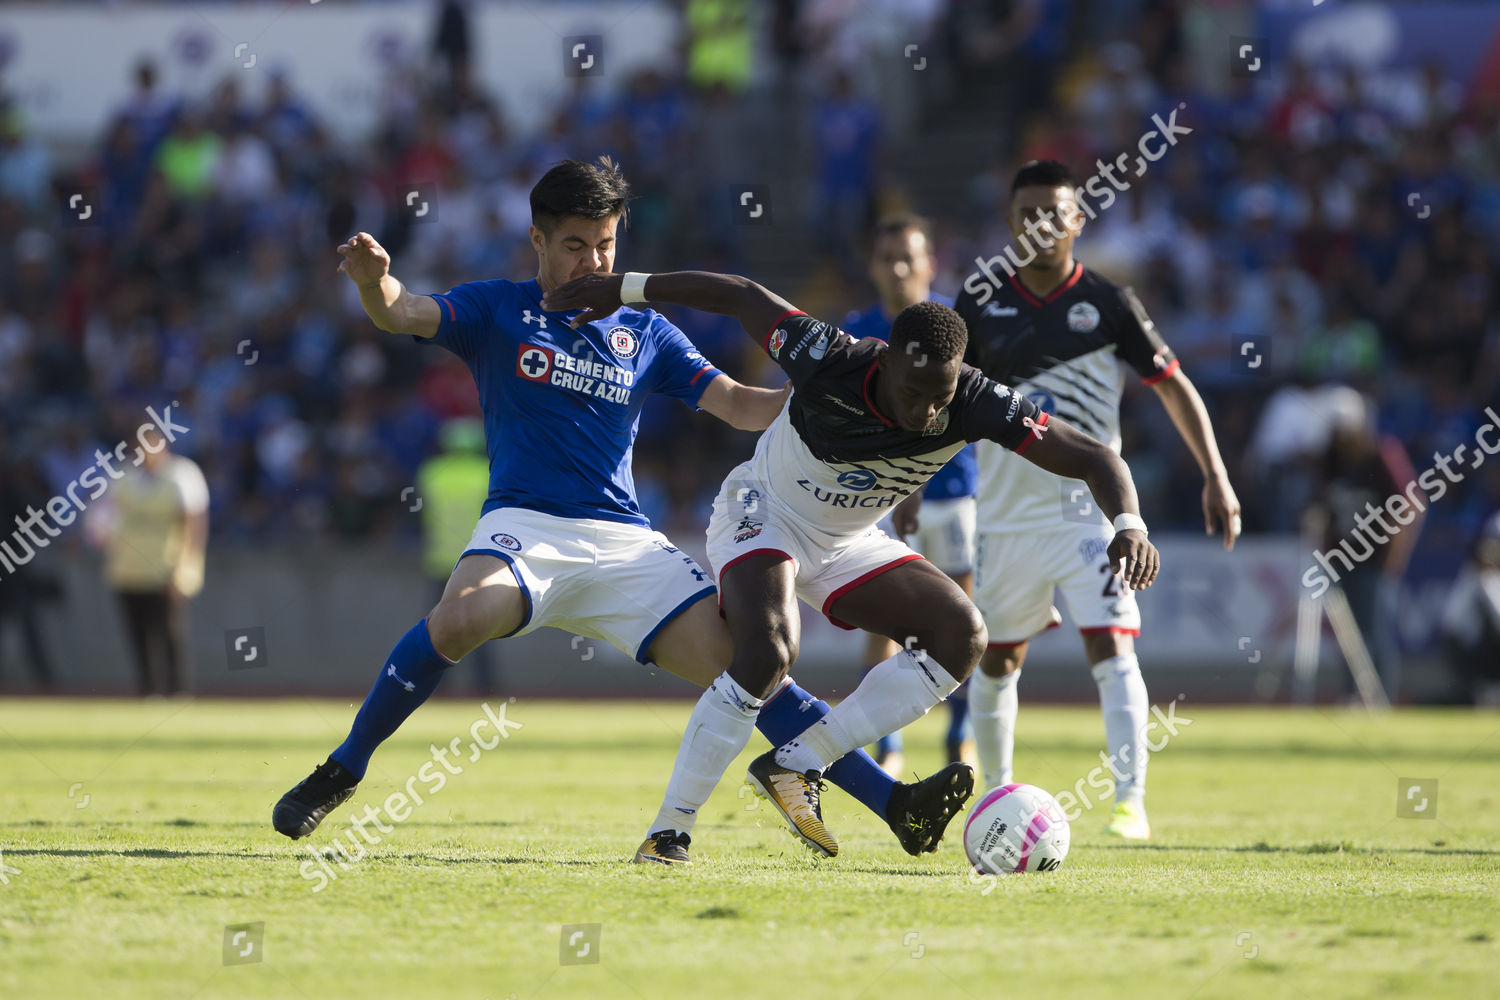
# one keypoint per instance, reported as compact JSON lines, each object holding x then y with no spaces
{"x":717,"y":731}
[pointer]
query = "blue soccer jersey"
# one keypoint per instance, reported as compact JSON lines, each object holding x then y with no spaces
{"x":561,"y":405}
{"x":960,"y":477}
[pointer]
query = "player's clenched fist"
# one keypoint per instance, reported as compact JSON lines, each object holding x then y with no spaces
{"x":1140,"y":558}
{"x":365,"y":261}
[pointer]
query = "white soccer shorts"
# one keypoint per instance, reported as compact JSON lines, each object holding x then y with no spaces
{"x":1015,"y":573}
{"x":827,"y":566}
{"x":945,"y":534}
{"x":620,"y":583}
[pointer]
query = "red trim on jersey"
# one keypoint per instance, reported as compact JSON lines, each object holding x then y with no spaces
{"x":1111,"y":629}
{"x":696,"y":377}
{"x":452,"y":316}
{"x":1166,"y":372}
{"x":866,"y":578}
{"x":870,"y":402}
{"x":1033,"y":435}
{"x":741,"y":558}
{"x":765,"y":342}
{"x":1072,"y":280}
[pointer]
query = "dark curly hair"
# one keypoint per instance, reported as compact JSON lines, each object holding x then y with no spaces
{"x":574,"y":188}
{"x":930,"y":328}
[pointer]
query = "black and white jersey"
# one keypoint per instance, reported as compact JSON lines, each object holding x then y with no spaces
{"x":1062,"y":353}
{"x":832,"y":460}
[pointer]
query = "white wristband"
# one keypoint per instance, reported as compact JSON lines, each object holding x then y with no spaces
{"x":633,"y":288}
{"x":1129,"y":522}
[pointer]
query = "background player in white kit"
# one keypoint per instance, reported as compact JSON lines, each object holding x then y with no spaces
{"x":1057,"y":334}
{"x":901,"y":269}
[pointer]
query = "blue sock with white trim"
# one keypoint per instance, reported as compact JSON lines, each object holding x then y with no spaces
{"x":789,"y":711}
{"x":411,"y":673}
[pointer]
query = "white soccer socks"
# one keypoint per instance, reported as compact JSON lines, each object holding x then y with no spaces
{"x":895,"y":693}
{"x":717,"y":731}
{"x":1122,"y":696}
{"x":993,"y":707}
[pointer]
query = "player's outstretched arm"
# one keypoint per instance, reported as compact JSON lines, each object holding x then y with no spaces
{"x":1183,"y":404}
{"x":756,"y":308}
{"x":386,"y":301}
{"x":1065,"y":451}
{"x":743,"y":407}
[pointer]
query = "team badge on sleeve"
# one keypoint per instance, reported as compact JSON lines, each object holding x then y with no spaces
{"x":533,"y":363}
{"x":778,"y":339}
{"x":623,"y":342}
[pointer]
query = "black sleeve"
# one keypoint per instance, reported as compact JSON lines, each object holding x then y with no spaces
{"x":801,"y":345}
{"x":1137,"y":341}
{"x":968,"y":311}
{"x":990,"y":410}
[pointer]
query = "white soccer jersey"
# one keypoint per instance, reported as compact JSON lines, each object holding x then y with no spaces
{"x":832,"y":460}
{"x":1063,"y":354}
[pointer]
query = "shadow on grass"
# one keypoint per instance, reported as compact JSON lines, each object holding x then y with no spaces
{"x":159,"y":852}
{"x":1322,"y":848}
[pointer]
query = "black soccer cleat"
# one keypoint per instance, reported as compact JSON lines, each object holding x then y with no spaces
{"x":664,"y":847}
{"x":919,"y":813}
{"x":301,"y":810}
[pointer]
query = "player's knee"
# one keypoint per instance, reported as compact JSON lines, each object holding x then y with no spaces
{"x":763,"y":659}
{"x":957,"y":639}
{"x":456,"y":627}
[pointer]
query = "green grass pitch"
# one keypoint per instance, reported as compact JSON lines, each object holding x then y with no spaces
{"x":132,"y":835}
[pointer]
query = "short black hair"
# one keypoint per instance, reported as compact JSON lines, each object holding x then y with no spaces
{"x":595,"y":190}
{"x":930,"y":328}
{"x":1043,"y":173}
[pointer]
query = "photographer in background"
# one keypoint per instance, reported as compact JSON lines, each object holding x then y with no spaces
{"x":1470,"y":625}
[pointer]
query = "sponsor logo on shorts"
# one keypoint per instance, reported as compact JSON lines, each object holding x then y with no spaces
{"x":506,"y":542}
{"x":748,"y":529}
{"x":777,"y":341}
{"x":1083,"y":317}
{"x":622,"y":342}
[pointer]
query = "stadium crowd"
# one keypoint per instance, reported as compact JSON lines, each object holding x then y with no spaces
{"x":1342,"y":224}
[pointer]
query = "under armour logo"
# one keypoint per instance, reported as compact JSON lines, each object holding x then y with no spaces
{"x":390,"y":670}
{"x":539,"y":320}
{"x":804,"y":706}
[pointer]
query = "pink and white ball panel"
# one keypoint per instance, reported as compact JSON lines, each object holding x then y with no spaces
{"x":1016,"y":828}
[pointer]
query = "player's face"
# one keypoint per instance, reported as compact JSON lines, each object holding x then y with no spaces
{"x":576,"y":247}
{"x":1045,"y":220}
{"x":901,"y":267}
{"x":915,"y":388}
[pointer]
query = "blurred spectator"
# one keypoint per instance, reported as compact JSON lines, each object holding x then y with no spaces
{"x":154,"y":525}
{"x":1471,"y":620}
{"x":24,"y":585}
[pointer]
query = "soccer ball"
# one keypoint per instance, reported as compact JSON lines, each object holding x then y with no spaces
{"x":1016,"y":828}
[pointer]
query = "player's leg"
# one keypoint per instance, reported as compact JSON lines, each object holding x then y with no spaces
{"x":941,"y":635}
{"x":717,"y":730}
{"x":1126,"y":707}
{"x":993,"y":709}
{"x":1013,"y":590}
{"x":889,"y":748}
{"x":1108,"y":618}
{"x":946,"y":538}
{"x":483,"y":600}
